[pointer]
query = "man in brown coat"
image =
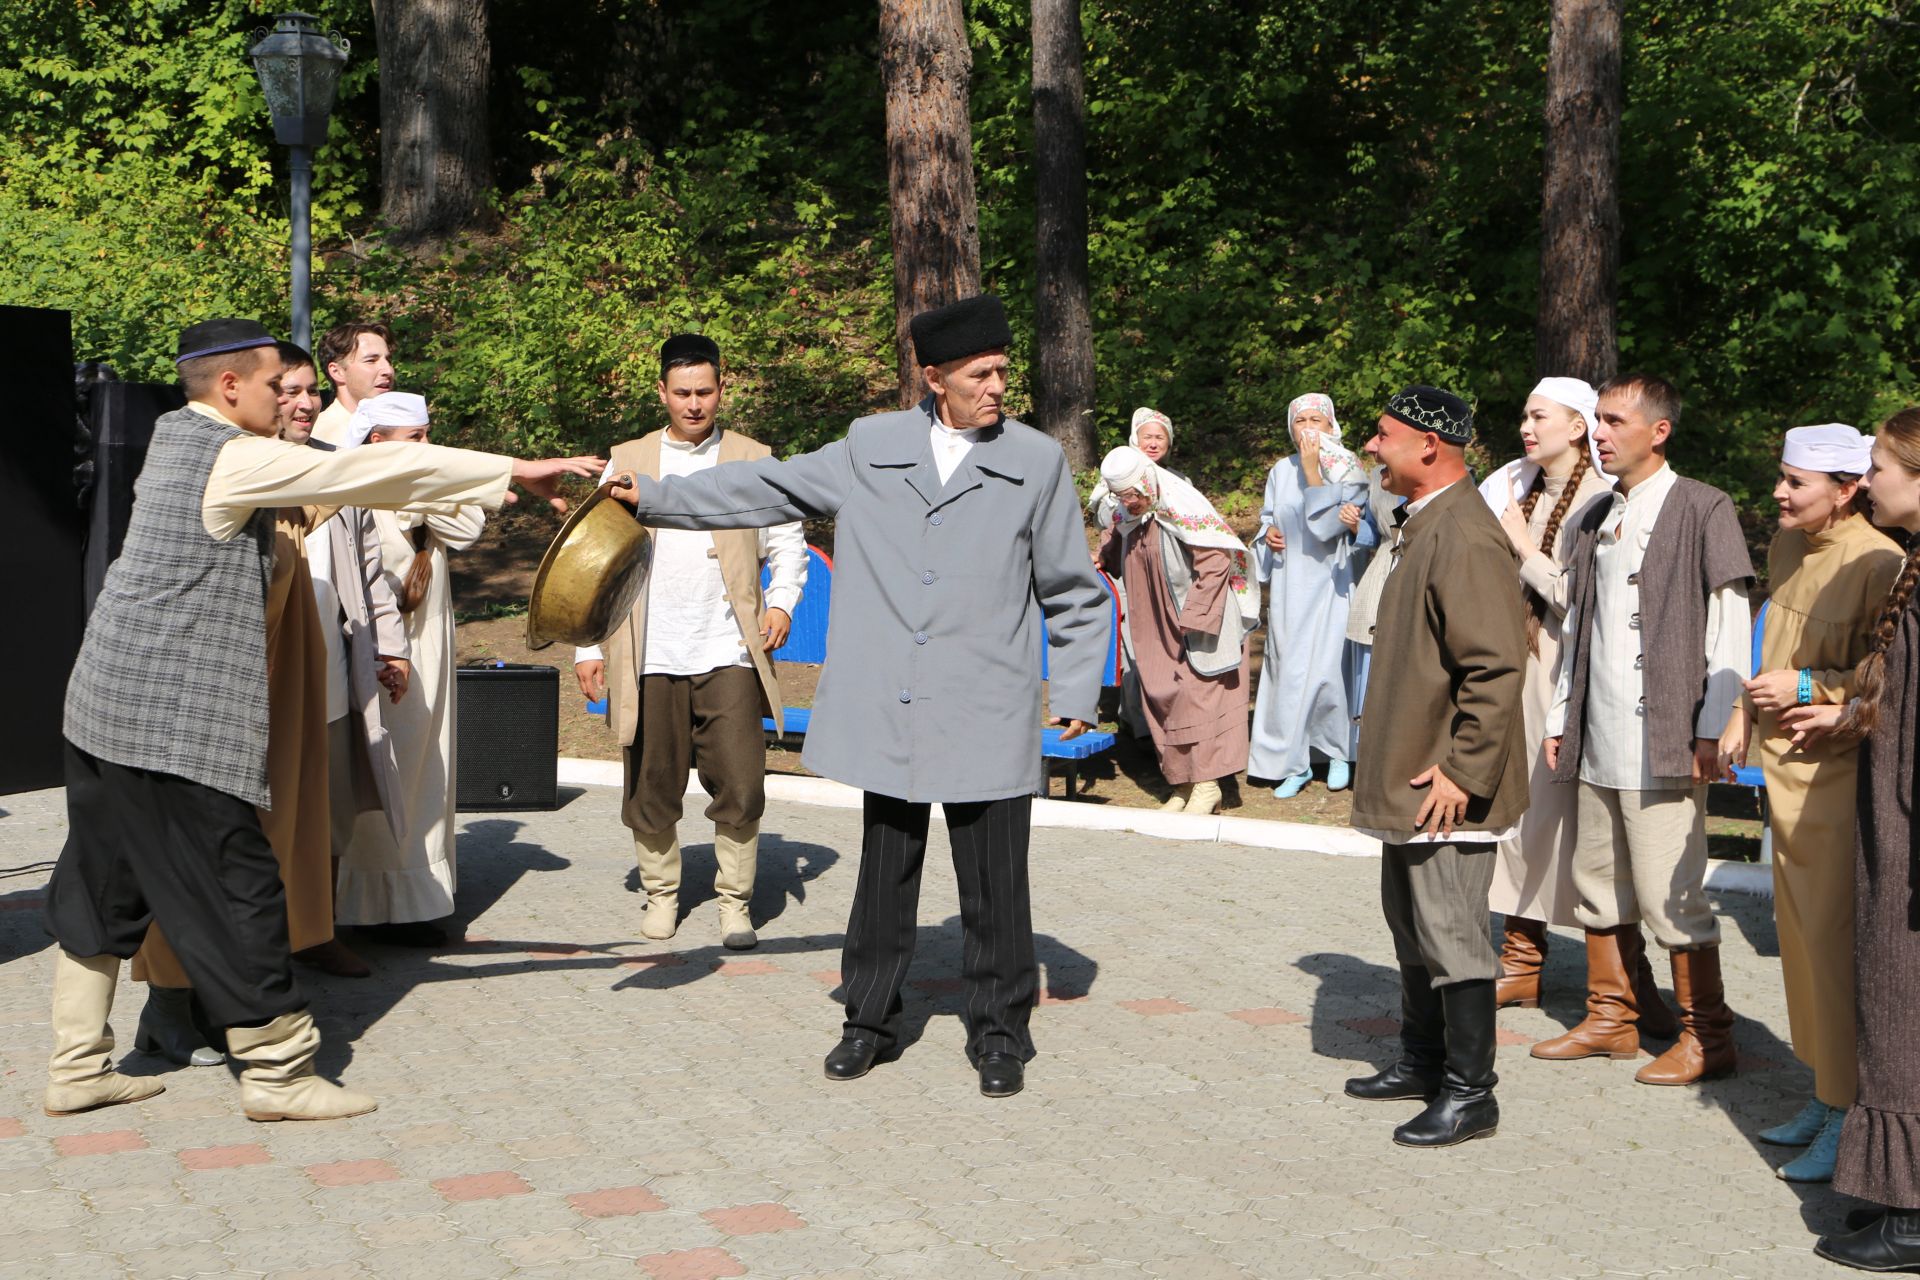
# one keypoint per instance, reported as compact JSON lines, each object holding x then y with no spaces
{"x":1442,"y":769}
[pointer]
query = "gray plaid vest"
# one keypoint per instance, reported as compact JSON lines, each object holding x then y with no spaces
{"x":172,"y":674}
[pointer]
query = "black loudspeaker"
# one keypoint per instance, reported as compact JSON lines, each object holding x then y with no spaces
{"x":40,"y":531}
{"x":120,"y":416}
{"x":508,"y":737}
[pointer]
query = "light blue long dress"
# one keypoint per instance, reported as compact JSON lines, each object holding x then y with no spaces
{"x":1301,"y":711}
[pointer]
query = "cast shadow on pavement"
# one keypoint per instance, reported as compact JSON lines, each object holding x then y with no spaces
{"x":786,"y":867}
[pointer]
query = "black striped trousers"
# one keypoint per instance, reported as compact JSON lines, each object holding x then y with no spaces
{"x":989,"y":840}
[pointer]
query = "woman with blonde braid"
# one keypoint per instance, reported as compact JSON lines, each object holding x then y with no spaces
{"x":1830,"y":571}
{"x":1879,"y":1156}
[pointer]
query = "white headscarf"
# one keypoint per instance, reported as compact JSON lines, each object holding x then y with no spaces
{"x":388,"y":409}
{"x":1509,"y":484}
{"x":1100,"y":501}
{"x":1183,"y":512}
{"x":1337,"y":462}
{"x":1833,"y":446}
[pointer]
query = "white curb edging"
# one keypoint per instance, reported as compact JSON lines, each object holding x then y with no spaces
{"x":1255,"y":833}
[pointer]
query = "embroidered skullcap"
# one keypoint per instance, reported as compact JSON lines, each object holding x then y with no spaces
{"x":218,"y":337}
{"x":1575,"y":394}
{"x":1313,"y":400}
{"x":1831,"y":447}
{"x":1125,"y":468}
{"x":689,"y":348}
{"x":962,"y":329}
{"x":1142,"y":416}
{"x":1431,"y":409}
{"x":388,"y":409}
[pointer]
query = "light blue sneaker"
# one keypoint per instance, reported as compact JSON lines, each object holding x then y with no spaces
{"x":1800,"y":1130}
{"x":1291,"y":787}
{"x":1339,"y":775}
{"x":1815,"y":1164}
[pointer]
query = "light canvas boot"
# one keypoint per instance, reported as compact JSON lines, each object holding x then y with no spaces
{"x":736,"y":856}
{"x":277,"y":1081}
{"x":1203,"y":797}
{"x":658,"y":853}
{"x":1178,"y":800}
{"x":80,"y":1075}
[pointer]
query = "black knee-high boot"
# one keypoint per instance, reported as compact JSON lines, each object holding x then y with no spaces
{"x":1464,"y":1107}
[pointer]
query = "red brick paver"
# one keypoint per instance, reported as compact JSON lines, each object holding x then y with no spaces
{"x":11,"y":1128}
{"x":744,"y":968}
{"x":1157,"y":1007}
{"x":1379,"y":1028}
{"x":939,"y":986}
{"x":100,"y":1144}
{"x":754,"y":1219}
{"x":225,"y":1157}
{"x":1266,"y":1017}
{"x":352,"y":1173}
{"x":827,"y":977}
{"x":1511,"y":1037}
{"x":691,"y":1264}
{"x":658,"y":960}
{"x":483,"y":1186}
{"x":616,"y":1202}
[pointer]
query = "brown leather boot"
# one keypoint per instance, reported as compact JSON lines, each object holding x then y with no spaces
{"x":1522,"y":952}
{"x":1705,"y":1046}
{"x":1656,"y":1018}
{"x":1608,"y":1029}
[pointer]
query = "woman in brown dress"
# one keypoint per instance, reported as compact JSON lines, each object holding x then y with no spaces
{"x":1879,"y":1158}
{"x":1188,"y":602}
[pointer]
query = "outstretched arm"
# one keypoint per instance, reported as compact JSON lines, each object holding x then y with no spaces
{"x":748,"y":494}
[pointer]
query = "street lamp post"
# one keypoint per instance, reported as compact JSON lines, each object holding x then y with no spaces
{"x":299,"y":69}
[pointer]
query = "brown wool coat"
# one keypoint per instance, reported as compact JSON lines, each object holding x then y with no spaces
{"x":1449,"y":669}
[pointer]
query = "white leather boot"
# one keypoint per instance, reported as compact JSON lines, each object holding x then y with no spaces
{"x":736,"y":853}
{"x":80,"y":1075}
{"x":658,"y":854}
{"x":1204,"y":797}
{"x":278,"y":1082}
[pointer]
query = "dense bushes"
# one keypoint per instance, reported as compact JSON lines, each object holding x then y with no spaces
{"x":1333,"y":194}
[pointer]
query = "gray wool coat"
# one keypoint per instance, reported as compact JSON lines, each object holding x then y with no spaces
{"x":931,"y":688}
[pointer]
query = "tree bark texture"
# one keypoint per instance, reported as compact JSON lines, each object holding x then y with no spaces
{"x":436,"y":163}
{"x":1063,"y":328}
{"x":1577,"y":333}
{"x":925,"y":62}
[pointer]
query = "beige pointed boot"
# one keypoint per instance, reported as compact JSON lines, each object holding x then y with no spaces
{"x":1203,"y":797}
{"x":278,"y":1082}
{"x":736,"y":853}
{"x":1178,"y":800}
{"x":658,"y":853}
{"x":80,"y":1075}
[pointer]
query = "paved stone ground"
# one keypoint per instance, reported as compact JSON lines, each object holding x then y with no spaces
{"x":562,"y":1098}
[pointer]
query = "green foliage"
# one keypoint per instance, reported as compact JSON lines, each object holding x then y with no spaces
{"x":1337,"y":195}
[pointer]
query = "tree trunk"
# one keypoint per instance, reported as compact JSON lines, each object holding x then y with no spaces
{"x":925,"y":62}
{"x":436,"y":164}
{"x":1580,"y":212}
{"x":1063,"y":328}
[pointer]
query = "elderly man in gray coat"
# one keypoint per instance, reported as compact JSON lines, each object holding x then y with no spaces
{"x":952,"y":522}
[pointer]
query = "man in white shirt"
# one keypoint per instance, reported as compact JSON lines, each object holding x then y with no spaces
{"x":687,"y":675}
{"x":358,"y":358}
{"x":1659,"y":631}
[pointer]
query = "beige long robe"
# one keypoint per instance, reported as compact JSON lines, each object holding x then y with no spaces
{"x":1533,"y":873}
{"x":1827,"y":592}
{"x":389,"y":879}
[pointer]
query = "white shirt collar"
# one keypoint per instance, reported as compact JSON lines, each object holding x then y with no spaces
{"x":669,"y":440}
{"x":1414,"y":508}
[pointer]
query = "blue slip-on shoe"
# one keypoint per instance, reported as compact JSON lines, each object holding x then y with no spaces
{"x":1800,"y":1130}
{"x":1293,"y":786}
{"x":1339,"y":775}
{"x":1815,"y":1164}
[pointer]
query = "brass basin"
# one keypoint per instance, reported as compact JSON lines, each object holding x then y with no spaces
{"x":590,"y":576}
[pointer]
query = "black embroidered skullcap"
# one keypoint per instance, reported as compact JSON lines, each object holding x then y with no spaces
{"x":961,"y":329}
{"x":218,"y":337}
{"x":1431,"y":409}
{"x":689,"y":348}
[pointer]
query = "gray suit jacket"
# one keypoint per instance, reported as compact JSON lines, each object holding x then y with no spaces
{"x":931,"y":689}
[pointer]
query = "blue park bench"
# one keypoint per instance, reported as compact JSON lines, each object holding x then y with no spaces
{"x":807,"y":643}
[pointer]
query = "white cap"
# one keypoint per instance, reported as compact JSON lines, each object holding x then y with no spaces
{"x":388,"y":409}
{"x":1833,"y":446}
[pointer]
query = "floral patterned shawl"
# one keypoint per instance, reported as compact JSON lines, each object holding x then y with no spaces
{"x":1183,"y":512}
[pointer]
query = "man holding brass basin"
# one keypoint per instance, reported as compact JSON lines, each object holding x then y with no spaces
{"x":953,"y":521}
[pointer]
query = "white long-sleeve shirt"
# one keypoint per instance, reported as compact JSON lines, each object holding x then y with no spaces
{"x":691,"y":628}
{"x":1614,"y":742}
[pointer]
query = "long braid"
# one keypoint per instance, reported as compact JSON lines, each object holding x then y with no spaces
{"x":1901,"y":436}
{"x":1536,"y":605}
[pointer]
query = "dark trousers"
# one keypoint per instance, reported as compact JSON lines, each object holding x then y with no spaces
{"x":710,"y":723}
{"x":1435,"y":899}
{"x":989,"y":840}
{"x":148,"y":847}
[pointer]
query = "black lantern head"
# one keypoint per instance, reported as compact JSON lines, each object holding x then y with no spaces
{"x":299,"y":69}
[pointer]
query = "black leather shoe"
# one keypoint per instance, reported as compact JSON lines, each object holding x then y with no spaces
{"x":167,"y":1029}
{"x":1865,"y":1217}
{"x":1001,"y":1075}
{"x":1454,"y":1116}
{"x":1890,"y":1243}
{"x":1399,"y":1080}
{"x":851,"y":1059}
